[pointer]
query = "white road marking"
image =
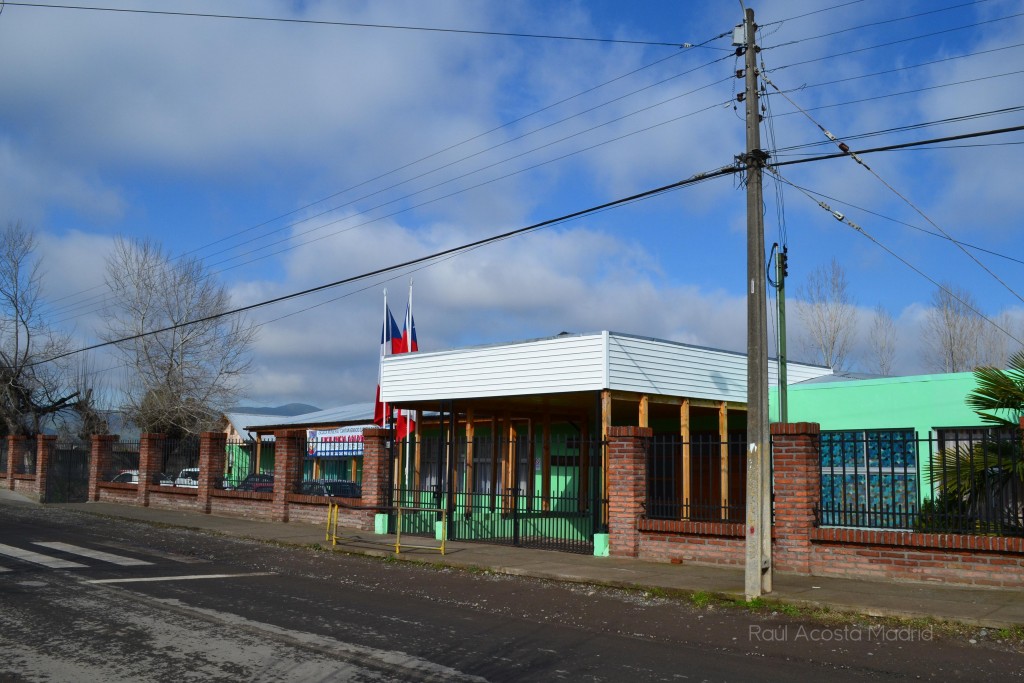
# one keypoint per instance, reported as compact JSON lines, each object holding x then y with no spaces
{"x":190,"y":577}
{"x":4,"y":569}
{"x":36,"y":558}
{"x":93,"y":554}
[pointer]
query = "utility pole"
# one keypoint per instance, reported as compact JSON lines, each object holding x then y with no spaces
{"x":758,"y":567}
{"x":782,"y":270}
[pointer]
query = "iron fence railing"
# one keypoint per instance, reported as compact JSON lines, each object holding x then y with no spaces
{"x":25,"y":460}
{"x":248,"y":465}
{"x":956,"y":481}
{"x":124,"y":458}
{"x":703,"y":479}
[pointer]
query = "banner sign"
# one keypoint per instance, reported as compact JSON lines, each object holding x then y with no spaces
{"x":343,"y":442}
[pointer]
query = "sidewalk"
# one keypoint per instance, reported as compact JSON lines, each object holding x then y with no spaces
{"x":991,"y":608}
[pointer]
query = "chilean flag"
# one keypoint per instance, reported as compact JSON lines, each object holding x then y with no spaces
{"x":390,"y":342}
{"x":406,"y":425}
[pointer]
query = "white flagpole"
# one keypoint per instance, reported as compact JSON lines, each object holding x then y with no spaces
{"x":408,"y":348}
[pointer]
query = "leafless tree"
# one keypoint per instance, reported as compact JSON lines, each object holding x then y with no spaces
{"x":33,"y":389}
{"x":181,"y":379}
{"x":952,"y":330}
{"x":828,"y":315}
{"x":882,"y":341}
{"x":997,"y":342}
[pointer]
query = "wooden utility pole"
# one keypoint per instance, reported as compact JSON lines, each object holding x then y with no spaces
{"x":758,"y":573}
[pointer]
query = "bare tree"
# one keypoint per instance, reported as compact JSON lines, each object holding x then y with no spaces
{"x":33,"y":389}
{"x":180,"y":379}
{"x":828,"y":316}
{"x":952,"y":329}
{"x":882,"y":341}
{"x":998,"y":342}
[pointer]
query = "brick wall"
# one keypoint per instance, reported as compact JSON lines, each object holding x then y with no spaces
{"x":99,"y":462}
{"x":288,"y":454}
{"x":627,"y":480}
{"x":800,"y":547}
{"x":211,"y":466}
{"x":376,"y":461}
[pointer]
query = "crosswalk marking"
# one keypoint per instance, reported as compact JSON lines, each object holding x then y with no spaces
{"x":4,"y":569}
{"x":37,"y":558}
{"x":93,"y":554}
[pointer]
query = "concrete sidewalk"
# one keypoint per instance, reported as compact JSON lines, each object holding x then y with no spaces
{"x":988,"y":607}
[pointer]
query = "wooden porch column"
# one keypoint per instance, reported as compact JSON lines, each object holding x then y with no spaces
{"x":417,"y":480}
{"x":545,"y":472}
{"x":470,"y":464}
{"x":683,"y":476}
{"x":606,"y":421}
{"x":644,"y":418}
{"x":531,"y":464}
{"x":723,"y":436}
{"x":495,"y":444}
{"x":584,"y":485}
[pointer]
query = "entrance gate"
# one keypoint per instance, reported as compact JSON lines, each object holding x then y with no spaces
{"x":67,"y":480}
{"x":513,"y":491}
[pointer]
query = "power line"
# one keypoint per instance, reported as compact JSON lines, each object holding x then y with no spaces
{"x":897,"y":94}
{"x":698,"y":178}
{"x":446,"y":196}
{"x":896,"y":42}
{"x":843,"y":219}
{"x":78,"y":304}
{"x":876,"y":23}
{"x":906,"y":128}
{"x":817,"y":11}
{"x":853,"y":155}
{"x":816,"y":193}
{"x":351,"y":24}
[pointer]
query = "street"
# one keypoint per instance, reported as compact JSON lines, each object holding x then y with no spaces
{"x":85,"y":598}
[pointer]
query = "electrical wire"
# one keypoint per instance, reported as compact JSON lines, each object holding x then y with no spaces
{"x":898,"y":94}
{"x":351,"y":24}
{"x":79,"y":303}
{"x":698,"y":178}
{"x":817,"y":194}
{"x":807,"y":14}
{"x":846,"y":53}
{"x":875,"y":23}
{"x":843,"y":219}
{"x":853,"y":155}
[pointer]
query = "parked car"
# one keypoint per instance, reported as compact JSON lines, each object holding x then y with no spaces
{"x":132,"y":477}
{"x":261,"y":483}
{"x":331,"y":488}
{"x":188,"y":477}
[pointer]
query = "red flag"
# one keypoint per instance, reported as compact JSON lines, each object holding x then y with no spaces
{"x":406,"y":425}
{"x":390,"y":342}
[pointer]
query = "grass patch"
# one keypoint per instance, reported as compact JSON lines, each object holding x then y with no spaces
{"x":701,"y":599}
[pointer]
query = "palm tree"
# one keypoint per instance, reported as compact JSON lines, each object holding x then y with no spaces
{"x":999,"y":397}
{"x":980,"y":484}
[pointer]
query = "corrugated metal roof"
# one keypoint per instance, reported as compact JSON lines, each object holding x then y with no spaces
{"x":573,"y":363}
{"x":352,"y":413}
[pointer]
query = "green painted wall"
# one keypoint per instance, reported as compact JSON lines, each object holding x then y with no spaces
{"x":920,"y":402}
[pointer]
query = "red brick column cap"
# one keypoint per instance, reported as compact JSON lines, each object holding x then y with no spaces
{"x":795,"y":429}
{"x":624,"y":431}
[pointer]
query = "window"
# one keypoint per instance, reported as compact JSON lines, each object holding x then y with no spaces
{"x":869,"y":479}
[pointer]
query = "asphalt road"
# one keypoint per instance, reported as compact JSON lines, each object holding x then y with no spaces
{"x":154,"y":604}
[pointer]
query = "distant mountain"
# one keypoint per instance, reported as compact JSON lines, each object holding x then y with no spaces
{"x":288,"y":410}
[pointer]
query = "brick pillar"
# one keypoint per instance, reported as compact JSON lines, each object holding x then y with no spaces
{"x":99,"y":462}
{"x":288,"y":454}
{"x":44,"y":454}
{"x":375,"y":467}
{"x":797,"y":470}
{"x":151,"y":452}
{"x":212,"y":448}
{"x":13,"y":454}
{"x":627,"y":478}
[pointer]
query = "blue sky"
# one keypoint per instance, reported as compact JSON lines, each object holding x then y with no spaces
{"x":203,"y":133}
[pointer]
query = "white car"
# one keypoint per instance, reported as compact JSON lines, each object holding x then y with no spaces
{"x":188,"y":478}
{"x":132,"y":477}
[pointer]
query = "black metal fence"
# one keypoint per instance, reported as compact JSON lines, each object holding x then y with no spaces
{"x":67,"y":480}
{"x":25,"y":457}
{"x":248,"y":463}
{"x":511,"y":491}
{"x":703,"y":479}
{"x":124,"y":458}
{"x":180,"y":460}
{"x":333,"y":466}
{"x":959,"y":481}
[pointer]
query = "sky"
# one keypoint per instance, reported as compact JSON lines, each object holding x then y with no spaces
{"x":288,"y":155}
